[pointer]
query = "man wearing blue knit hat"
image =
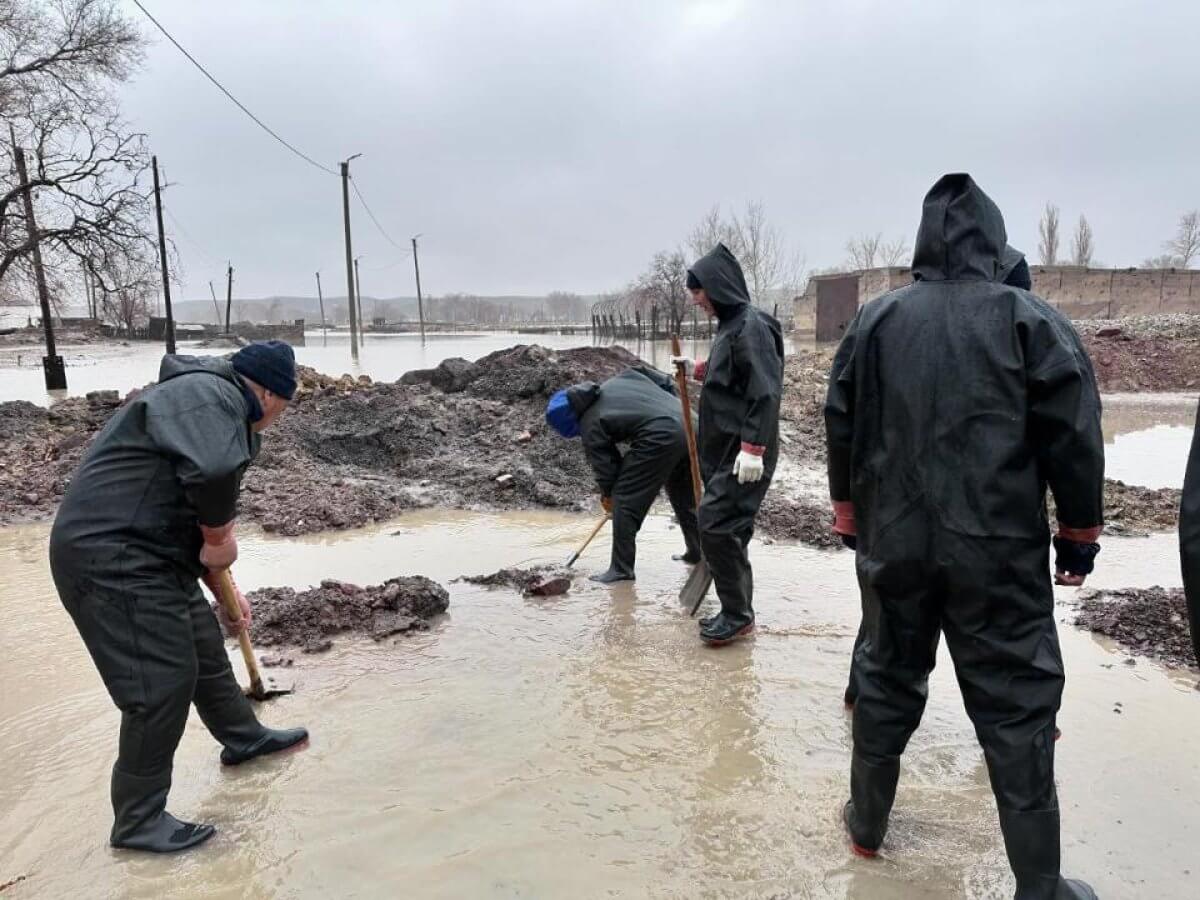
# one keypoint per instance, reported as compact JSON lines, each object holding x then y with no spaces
{"x":149,"y":513}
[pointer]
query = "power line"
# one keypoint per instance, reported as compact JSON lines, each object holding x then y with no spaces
{"x":191,"y":240}
{"x":261,"y":124}
{"x":363,"y":201}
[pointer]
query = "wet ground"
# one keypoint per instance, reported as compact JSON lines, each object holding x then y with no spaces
{"x":580,"y":746}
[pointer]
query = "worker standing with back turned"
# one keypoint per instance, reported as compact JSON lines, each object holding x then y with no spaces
{"x":953,"y":403}
{"x":149,"y":512}
{"x":739,"y":433}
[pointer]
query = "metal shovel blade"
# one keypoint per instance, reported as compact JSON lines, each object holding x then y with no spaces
{"x":695,"y":589}
{"x":269,"y":687}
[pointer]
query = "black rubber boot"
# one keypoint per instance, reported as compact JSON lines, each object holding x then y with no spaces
{"x":1032,"y":842}
{"x":272,"y":740}
{"x":141,"y":821}
{"x":690,"y":558}
{"x":872,"y":792}
{"x":612,"y":576}
{"x":725,"y":629}
{"x":850,"y":697}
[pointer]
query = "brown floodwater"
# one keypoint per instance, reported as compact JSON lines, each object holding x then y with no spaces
{"x":582,"y":746}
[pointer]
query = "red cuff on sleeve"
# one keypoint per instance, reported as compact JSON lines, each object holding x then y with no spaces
{"x":1080,"y":535}
{"x":843,"y":517}
{"x":753,"y":449}
{"x":700,"y":370}
{"x":218,"y":534}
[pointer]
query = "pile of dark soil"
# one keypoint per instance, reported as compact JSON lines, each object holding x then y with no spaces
{"x":1147,"y":353}
{"x":543,"y":581}
{"x":1149,"y":622}
{"x":309,"y":619}
{"x":797,"y":519}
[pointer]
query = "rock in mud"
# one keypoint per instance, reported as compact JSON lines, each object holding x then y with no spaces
{"x":537,"y":581}
{"x":453,"y":375}
{"x":309,"y":619}
{"x":1149,"y":622}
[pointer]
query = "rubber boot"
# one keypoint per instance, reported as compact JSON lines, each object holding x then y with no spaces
{"x":872,"y":792}
{"x":141,"y":821}
{"x":691,"y":557}
{"x":612,"y":576}
{"x":1032,"y":842}
{"x":725,"y":629}
{"x":850,"y":698}
{"x":272,"y":740}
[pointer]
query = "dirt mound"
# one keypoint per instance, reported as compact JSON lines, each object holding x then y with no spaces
{"x":309,"y":619}
{"x":1146,"y":621}
{"x":1144,"y":353}
{"x":1129,"y":508}
{"x":797,"y":519}
{"x":805,"y":381}
{"x":543,"y":581}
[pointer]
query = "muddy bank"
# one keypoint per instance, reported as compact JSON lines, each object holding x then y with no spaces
{"x":797,"y":519}
{"x":1148,"y":622}
{"x":311,"y":619}
{"x":1144,"y":353}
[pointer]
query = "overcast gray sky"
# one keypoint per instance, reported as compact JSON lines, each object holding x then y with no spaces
{"x":558,"y":145}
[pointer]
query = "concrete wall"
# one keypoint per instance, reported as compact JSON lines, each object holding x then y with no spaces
{"x":1078,"y":292}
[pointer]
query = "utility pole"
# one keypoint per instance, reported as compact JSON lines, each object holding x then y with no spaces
{"x":362,"y":320}
{"x":87,"y":291}
{"x":52,"y":363}
{"x":228,"y":295}
{"x":349,"y":255}
{"x":162,"y":254}
{"x":216,"y":306}
{"x":321,"y":301}
{"x":420,"y":303}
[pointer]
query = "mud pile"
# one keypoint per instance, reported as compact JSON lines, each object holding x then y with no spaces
{"x":797,"y":519}
{"x":310,"y":619}
{"x":537,"y":581}
{"x":40,"y":448}
{"x":353,"y":452}
{"x":1146,"y":621}
{"x":1144,"y":353}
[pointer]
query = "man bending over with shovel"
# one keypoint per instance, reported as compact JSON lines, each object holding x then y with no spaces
{"x":739,"y":433}
{"x":638,"y":408}
{"x":150,"y":511}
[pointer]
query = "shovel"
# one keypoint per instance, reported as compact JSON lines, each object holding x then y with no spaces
{"x":258,"y":690}
{"x":696,"y":587}
{"x":595,"y":531}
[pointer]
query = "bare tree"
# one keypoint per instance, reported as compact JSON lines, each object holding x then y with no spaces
{"x":664,"y":284}
{"x":58,"y":61}
{"x":1165,"y":261}
{"x":770,"y":268}
{"x":896,"y":252}
{"x":1186,"y":243}
{"x":864,"y":250}
{"x":714,"y":229}
{"x":1048,"y":231}
{"x":1083,"y":243}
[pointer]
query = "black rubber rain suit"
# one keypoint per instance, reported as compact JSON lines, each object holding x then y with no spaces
{"x":1189,"y":539}
{"x":638,"y":408}
{"x":952,"y":404}
{"x":1014,"y":272}
{"x":739,"y":409}
{"x":124,"y":552}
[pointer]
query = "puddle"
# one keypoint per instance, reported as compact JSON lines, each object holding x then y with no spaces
{"x":581,"y":746}
{"x":1147,"y":438}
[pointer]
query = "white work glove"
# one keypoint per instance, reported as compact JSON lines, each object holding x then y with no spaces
{"x":689,"y":365}
{"x":747,"y":467}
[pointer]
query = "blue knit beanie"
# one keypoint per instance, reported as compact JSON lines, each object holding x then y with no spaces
{"x":561,"y":417}
{"x":271,"y":364}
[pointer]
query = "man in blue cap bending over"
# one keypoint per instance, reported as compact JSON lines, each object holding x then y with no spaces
{"x":149,"y":514}
{"x":638,"y":408}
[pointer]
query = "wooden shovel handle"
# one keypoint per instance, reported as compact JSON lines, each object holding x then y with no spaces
{"x":693,"y":456}
{"x":234,"y":612}
{"x":590,"y":537}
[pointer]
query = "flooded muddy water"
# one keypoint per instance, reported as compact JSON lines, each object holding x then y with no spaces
{"x":581,"y":746}
{"x":1147,"y":438}
{"x":384,"y":357}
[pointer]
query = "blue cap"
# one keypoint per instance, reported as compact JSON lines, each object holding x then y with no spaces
{"x":561,"y":417}
{"x":271,"y":364}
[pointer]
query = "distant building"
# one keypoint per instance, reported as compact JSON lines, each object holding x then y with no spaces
{"x":830,"y":301}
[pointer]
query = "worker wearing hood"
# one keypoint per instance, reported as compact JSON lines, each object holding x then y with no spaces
{"x":739,"y":433}
{"x":638,"y":409}
{"x":1014,"y":272}
{"x":148,"y":513}
{"x":1189,"y":538}
{"x":953,"y":403}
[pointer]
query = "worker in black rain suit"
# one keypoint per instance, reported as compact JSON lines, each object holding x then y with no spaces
{"x":953,"y":403}
{"x":739,"y":433}
{"x":149,"y":511}
{"x":1014,"y":271}
{"x":1189,"y":539}
{"x":638,"y":408}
